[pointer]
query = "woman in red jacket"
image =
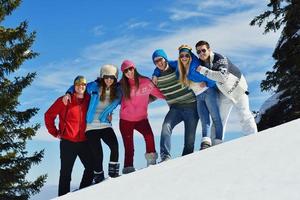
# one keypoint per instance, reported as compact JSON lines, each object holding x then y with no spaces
{"x":71,"y":131}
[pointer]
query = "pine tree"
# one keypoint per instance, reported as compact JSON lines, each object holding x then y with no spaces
{"x":284,"y":80}
{"x":14,"y":129}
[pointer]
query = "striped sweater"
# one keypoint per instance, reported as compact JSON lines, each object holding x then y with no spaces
{"x":176,"y":94}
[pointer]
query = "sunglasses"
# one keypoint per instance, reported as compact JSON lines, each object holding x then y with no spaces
{"x":128,"y":69}
{"x":201,"y":51}
{"x":158,"y":60}
{"x":80,"y":84}
{"x":112,"y":77}
{"x":184,"y":55}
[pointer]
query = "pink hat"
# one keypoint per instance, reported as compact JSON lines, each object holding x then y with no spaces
{"x":127,"y":64}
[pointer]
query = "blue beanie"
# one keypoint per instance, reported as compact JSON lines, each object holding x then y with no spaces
{"x":159,"y":53}
{"x":185,"y":48}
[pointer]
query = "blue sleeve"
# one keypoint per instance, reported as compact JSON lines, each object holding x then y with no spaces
{"x":210,"y":83}
{"x":156,"y":72}
{"x":92,"y":87}
{"x":173,"y":64}
{"x":71,"y":90}
{"x":195,"y":76}
{"x":195,"y":63}
{"x":108,"y":110}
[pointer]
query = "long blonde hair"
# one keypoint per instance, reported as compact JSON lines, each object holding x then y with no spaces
{"x":183,"y":71}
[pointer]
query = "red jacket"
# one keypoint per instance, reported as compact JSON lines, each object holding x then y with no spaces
{"x":72,"y":119}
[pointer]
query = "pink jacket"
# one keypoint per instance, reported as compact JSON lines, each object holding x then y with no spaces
{"x":135,"y":108}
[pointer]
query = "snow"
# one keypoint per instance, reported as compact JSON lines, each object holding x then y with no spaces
{"x":297,"y":34}
{"x":25,"y":53}
{"x":281,"y":43}
{"x":260,"y":166}
{"x":271,"y":101}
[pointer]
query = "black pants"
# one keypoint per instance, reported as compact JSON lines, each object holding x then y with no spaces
{"x":94,"y":139}
{"x":68,"y":154}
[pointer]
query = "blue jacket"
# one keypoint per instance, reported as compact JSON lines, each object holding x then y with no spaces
{"x":193,"y":75}
{"x":92,"y":89}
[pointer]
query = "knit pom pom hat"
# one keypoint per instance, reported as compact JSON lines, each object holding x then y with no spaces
{"x":127,"y":64}
{"x":109,"y":70}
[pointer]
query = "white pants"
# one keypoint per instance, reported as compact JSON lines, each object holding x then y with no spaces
{"x":245,"y":115}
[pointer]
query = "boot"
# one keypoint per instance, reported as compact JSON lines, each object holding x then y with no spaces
{"x":98,"y":177}
{"x":206,"y":143}
{"x":217,"y":141}
{"x":164,"y":158}
{"x":127,"y":170}
{"x":151,"y":158}
{"x":113,"y":169}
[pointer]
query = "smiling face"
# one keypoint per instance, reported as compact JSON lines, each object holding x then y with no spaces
{"x":203,"y":52}
{"x":129,"y":73}
{"x":160,"y":63}
{"x":108,"y":80}
{"x":184,"y":58}
{"x":80,"y":89}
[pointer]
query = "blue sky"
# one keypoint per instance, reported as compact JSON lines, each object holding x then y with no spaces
{"x":77,"y":37}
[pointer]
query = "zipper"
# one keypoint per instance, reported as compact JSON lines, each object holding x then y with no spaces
{"x":65,"y":117}
{"x":80,"y":118}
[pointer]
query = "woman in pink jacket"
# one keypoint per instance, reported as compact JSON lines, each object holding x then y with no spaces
{"x":136,"y":91}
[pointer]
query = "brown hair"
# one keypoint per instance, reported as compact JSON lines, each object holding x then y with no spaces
{"x":125,"y":83}
{"x":113,"y":90}
{"x":201,"y":43}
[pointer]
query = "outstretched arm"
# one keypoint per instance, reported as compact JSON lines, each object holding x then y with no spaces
{"x":156,"y":92}
{"x":219,"y":75}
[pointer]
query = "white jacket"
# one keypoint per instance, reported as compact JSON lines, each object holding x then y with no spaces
{"x":230,"y":81}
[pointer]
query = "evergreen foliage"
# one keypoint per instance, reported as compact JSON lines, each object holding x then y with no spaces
{"x":14,"y":129}
{"x":285,"y":76}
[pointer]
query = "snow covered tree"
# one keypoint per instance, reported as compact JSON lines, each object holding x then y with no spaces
{"x":14,"y":129}
{"x":284,"y":80}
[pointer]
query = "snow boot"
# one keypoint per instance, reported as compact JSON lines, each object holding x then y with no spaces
{"x":127,"y":170}
{"x":206,"y":143}
{"x":151,"y":158}
{"x":217,"y":141}
{"x":164,"y":158}
{"x":98,"y":177}
{"x":113,"y":169}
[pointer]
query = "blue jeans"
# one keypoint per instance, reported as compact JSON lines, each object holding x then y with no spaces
{"x":207,"y":105}
{"x":176,"y":115}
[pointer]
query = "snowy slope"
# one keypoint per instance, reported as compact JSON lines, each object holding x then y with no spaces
{"x":271,"y":101}
{"x":263,"y":166}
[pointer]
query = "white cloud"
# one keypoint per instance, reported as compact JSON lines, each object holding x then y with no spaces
{"x":42,"y":134}
{"x":255,"y":76}
{"x":177,"y":14}
{"x":230,"y":35}
{"x":227,"y":4}
{"x":137,"y":25}
{"x":98,"y":30}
